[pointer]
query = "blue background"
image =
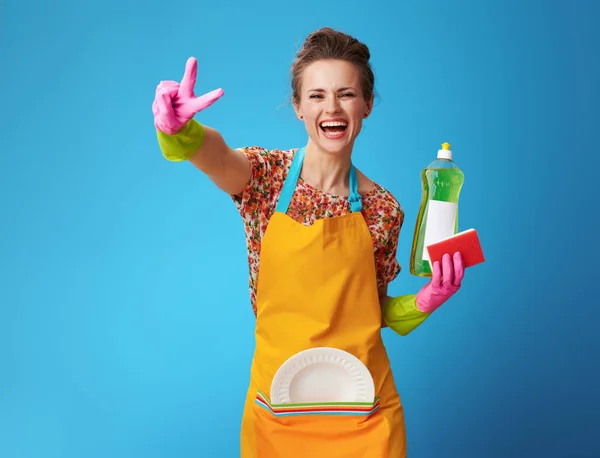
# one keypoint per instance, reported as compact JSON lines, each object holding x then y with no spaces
{"x":125,"y":323}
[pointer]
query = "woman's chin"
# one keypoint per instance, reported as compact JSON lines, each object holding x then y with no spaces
{"x":335,"y":145}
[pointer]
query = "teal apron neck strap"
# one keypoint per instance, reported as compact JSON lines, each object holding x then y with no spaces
{"x":289,"y":186}
{"x":354,"y":198}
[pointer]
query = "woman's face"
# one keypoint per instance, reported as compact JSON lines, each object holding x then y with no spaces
{"x":332,"y":105}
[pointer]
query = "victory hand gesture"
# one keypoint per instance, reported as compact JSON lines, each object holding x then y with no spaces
{"x":175,"y":104}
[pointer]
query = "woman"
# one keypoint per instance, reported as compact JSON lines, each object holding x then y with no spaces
{"x":322,"y":240}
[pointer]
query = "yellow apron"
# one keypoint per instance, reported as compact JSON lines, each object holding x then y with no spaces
{"x":317,"y":288}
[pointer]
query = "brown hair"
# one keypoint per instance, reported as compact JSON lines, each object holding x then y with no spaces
{"x":327,"y":43}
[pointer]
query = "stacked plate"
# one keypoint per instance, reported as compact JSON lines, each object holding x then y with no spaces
{"x":322,"y":374}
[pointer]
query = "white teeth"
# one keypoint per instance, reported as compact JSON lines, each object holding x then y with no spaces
{"x":334,"y":123}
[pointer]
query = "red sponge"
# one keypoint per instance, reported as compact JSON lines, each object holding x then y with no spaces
{"x":467,"y":242}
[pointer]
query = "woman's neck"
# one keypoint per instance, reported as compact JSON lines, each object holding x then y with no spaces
{"x":325,"y":171}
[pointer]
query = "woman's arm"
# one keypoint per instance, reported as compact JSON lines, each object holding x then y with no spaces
{"x":206,"y":149}
{"x":402,"y":315}
{"x":226,"y":167}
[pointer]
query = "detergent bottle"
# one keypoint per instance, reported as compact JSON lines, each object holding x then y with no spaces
{"x":442,"y":181}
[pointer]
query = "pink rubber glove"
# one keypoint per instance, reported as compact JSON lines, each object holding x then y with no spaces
{"x":444,"y":283}
{"x":175,"y":104}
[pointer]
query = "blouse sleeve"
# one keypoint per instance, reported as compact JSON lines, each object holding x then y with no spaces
{"x":267,"y":169}
{"x":386,"y":263}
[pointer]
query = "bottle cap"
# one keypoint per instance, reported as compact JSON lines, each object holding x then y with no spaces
{"x":445,"y":152}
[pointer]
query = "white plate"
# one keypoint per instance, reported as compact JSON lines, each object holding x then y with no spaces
{"x":322,"y":374}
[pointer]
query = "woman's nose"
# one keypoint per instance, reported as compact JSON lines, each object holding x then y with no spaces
{"x":333,"y":105}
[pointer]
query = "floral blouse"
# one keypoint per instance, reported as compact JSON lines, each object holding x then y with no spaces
{"x":257,"y":202}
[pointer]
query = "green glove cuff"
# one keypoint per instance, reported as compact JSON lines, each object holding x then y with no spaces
{"x":402,"y":315}
{"x":182,"y":145}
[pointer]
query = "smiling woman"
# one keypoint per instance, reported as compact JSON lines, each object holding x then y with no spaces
{"x":319,"y":275}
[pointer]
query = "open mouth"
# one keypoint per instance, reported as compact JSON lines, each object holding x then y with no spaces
{"x":333,"y":127}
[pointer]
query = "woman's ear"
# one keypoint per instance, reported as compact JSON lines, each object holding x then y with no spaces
{"x":369,"y":106}
{"x":299,"y":114}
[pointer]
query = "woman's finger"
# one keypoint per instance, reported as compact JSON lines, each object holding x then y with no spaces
{"x":165,"y":120}
{"x":459,"y":269}
{"x":436,"y":277}
{"x":447,"y":271}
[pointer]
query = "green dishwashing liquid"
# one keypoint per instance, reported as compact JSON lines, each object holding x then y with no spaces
{"x":438,"y":214}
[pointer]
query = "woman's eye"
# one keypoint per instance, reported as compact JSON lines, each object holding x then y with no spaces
{"x":320,"y":96}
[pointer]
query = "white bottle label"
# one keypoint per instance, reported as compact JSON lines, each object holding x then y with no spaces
{"x":440,"y":223}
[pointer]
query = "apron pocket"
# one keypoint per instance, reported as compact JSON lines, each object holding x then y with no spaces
{"x":337,"y":430}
